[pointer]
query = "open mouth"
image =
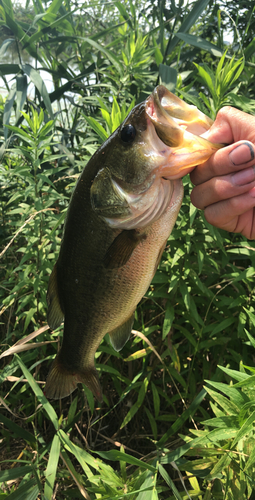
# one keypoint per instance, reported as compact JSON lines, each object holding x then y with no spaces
{"x":163,"y":107}
{"x":180,"y":127}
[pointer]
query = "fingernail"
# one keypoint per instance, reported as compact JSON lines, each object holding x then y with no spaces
{"x":252,"y":192}
{"x":242,"y":153}
{"x":244,"y":176}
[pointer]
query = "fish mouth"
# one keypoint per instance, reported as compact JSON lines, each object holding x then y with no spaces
{"x":170,"y":145}
{"x":179,"y":127}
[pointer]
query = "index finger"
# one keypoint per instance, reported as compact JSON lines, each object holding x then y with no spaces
{"x":232,"y":125}
{"x":225,"y":161}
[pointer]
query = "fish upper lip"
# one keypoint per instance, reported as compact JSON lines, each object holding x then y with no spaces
{"x":156,"y":110}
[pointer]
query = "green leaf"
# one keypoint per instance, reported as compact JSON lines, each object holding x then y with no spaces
{"x":10,"y":474}
{"x":117,"y":456}
{"x":248,"y":382}
{"x":18,"y":431}
{"x":250,"y":49}
{"x":97,"y":127}
{"x":207,"y":77}
{"x":230,"y":422}
{"x":220,"y":327}
{"x":251,"y":339}
{"x":245,"y":429}
{"x":209,"y":438}
{"x":153,"y":423}
{"x":236,"y":396}
{"x":251,"y":459}
{"x":189,"y":21}
{"x":201,"y":43}
{"x":138,"y":403}
{"x":184,"y":416}
{"x":39,"y":394}
{"x":29,"y":317}
{"x":27,"y":491}
{"x":9,"y":69}
{"x":8,"y":109}
{"x":224,"y":461}
{"x":234,"y":374}
{"x":169,"y":481}
{"x":22,"y":37}
{"x":156,"y":400}
{"x":84,"y":458}
{"x":109,"y":54}
{"x":4,"y":47}
{"x":168,"y":77}
{"x":37,"y":80}
{"x":168,"y":320}
{"x":227,"y":405}
{"x":148,"y":489}
{"x":8,"y":7}
{"x":21,"y":82}
{"x":51,"y":470}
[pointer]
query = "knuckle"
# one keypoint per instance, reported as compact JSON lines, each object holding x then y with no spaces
{"x":195,"y":198}
{"x":211,"y":216}
{"x":224,"y":111}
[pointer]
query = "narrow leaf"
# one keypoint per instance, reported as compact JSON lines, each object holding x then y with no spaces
{"x":8,"y":109}
{"x":201,"y":43}
{"x":189,"y":21}
{"x":37,"y":80}
{"x":21,"y":81}
{"x":39,"y":394}
{"x":117,"y":455}
{"x":51,"y":470}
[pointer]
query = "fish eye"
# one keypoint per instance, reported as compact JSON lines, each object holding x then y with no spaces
{"x":128,"y":133}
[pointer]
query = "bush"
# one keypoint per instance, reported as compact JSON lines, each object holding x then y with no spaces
{"x":158,"y":433}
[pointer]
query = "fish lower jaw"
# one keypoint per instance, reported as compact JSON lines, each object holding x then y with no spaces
{"x":176,"y":175}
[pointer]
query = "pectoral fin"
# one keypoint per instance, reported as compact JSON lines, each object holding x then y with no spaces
{"x":120,"y":335}
{"x":55,"y":315}
{"x":122,"y":248}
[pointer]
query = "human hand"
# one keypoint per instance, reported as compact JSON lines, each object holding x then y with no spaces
{"x":225,"y":184}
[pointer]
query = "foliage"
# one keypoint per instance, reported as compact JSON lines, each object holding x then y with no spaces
{"x":102,"y":58}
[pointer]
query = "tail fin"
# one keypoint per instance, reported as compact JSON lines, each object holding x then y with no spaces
{"x":61,"y":382}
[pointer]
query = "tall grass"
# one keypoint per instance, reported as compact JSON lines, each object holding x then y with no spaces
{"x":177,"y":420}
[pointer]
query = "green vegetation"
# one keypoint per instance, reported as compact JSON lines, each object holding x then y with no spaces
{"x":158,"y":433}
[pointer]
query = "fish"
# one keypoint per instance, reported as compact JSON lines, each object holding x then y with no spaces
{"x":121,"y":213}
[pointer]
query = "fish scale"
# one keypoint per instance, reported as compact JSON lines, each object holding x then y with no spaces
{"x":120,"y":216}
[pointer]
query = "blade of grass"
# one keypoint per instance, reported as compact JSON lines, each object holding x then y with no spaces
{"x":51,"y":470}
{"x":39,"y":394}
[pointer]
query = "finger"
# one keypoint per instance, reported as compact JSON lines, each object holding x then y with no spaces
{"x":246,"y":224}
{"x":242,"y":224}
{"x":223,"y":188}
{"x":232,"y":125}
{"x":227,"y":214}
{"x":229,"y":159}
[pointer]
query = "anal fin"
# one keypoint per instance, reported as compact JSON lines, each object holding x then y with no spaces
{"x":55,"y":315}
{"x":121,"y":334}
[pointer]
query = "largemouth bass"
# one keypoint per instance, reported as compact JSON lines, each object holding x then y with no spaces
{"x":120,"y":216}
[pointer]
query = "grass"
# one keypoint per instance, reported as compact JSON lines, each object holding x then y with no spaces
{"x":177,"y":419}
